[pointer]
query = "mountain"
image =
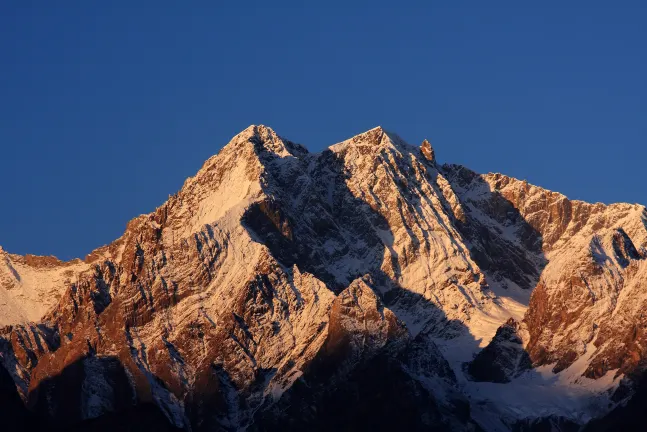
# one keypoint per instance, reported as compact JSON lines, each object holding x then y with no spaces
{"x":363,"y":287}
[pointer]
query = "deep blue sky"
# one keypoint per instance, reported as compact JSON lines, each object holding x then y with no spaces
{"x":106,"y":108}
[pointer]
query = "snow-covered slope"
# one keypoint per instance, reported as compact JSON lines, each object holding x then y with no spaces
{"x":278,"y":287}
{"x":30,"y":285}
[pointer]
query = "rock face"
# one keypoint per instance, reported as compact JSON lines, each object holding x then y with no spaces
{"x":363,"y":287}
{"x":14,"y":414}
{"x":503,"y":359}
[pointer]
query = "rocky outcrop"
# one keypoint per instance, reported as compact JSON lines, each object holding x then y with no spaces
{"x":503,"y":359}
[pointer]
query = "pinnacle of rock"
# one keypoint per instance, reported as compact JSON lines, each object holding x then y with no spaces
{"x":428,"y":151}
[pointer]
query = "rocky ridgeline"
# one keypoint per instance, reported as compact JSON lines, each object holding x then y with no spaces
{"x":366,"y":286}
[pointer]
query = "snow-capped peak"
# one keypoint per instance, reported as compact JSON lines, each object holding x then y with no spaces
{"x":278,"y":280}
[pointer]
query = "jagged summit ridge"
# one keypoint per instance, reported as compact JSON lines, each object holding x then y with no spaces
{"x":265,"y":137}
{"x":277,"y":279}
{"x":377,"y":138}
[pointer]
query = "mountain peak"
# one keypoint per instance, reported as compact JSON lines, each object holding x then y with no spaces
{"x":345,"y":266}
{"x":263,"y":139}
{"x":257,"y":130}
{"x":256,"y":134}
{"x":378,"y":137}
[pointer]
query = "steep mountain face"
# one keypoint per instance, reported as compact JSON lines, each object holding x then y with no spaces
{"x":14,"y":414}
{"x":365,"y":286}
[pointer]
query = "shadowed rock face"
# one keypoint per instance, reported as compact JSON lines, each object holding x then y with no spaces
{"x":628,"y":416}
{"x":503,"y":359}
{"x":14,"y":414}
{"x":284,"y":290}
{"x":518,"y":259}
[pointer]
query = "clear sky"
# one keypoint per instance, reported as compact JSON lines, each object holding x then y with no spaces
{"x":105,"y":107}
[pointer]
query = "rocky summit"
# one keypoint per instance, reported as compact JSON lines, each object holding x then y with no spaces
{"x":365,"y":287}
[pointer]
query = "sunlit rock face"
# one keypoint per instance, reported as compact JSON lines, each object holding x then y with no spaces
{"x":363,"y":287}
